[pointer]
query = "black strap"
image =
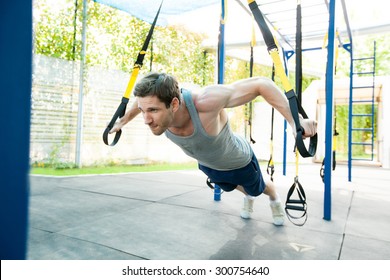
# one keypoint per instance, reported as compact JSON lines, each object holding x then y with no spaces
{"x":271,"y":168}
{"x":270,"y":165}
{"x":120,"y":112}
{"x":295,"y":108}
{"x":209,"y":183}
{"x":298,"y":56}
{"x":322,"y":170}
{"x":296,"y":208}
{"x":250,"y":105}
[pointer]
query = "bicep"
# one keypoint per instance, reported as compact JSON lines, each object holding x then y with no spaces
{"x":243,"y":91}
{"x":234,"y":94}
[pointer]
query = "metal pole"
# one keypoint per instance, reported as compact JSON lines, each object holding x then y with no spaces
{"x":15,"y":111}
{"x":286,"y":56}
{"x":221,"y":71}
{"x":221,"y":45}
{"x":329,"y":112}
{"x":349,"y":48}
{"x":79,"y":134}
{"x":350,"y":114}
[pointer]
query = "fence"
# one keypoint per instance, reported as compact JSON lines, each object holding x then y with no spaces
{"x":54,"y":118}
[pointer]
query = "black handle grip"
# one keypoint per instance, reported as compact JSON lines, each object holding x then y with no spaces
{"x":311,"y":151}
{"x":116,"y":138}
{"x":120,"y":112}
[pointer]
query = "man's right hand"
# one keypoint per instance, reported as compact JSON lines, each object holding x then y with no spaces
{"x":117,"y":126}
{"x":310,"y":127}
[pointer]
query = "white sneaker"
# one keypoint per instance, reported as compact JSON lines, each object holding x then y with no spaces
{"x":277,"y":212}
{"x":247,"y":209}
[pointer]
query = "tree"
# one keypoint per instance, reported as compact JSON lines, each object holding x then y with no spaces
{"x":115,"y":38}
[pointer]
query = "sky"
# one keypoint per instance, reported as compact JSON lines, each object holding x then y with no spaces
{"x":238,"y":26}
{"x":361,"y":14}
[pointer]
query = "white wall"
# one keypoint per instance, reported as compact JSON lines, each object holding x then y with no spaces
{"x":54,"y":118}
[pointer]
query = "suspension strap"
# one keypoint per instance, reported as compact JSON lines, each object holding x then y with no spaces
{"x":295,"y":107}
{"x":251,"y":65}
{"x":120,"y":112}
{"x":271,"y":165}
{"x":297,"y":205}
{"x":334,"y":148}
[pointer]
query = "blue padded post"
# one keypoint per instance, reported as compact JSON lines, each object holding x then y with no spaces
{"x":15,"y":81}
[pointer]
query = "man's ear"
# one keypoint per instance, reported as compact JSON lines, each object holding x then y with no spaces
{"x":175,"y":104}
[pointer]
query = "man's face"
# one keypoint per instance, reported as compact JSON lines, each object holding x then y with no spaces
{"x":156,"y":115}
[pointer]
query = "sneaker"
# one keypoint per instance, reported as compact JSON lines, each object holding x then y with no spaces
{"x":247,"y":209}
{"x":277,"y":212}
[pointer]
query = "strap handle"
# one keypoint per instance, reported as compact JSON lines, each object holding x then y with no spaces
{"x":295,"y":107}
{"x":296,"y":205}
{"x":120,"y":112}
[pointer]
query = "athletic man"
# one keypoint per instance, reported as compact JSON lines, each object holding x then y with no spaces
{"x":199,"y":125}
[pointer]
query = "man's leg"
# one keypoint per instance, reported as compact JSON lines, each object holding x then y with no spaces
{"x":270,"y":190}
{"x":275,"y":203}
{"x":247,"y":209}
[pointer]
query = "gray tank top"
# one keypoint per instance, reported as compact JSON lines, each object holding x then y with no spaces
{"x":226,"y":151}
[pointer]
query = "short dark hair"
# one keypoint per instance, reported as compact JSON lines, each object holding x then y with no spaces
{"x":162,"y":85}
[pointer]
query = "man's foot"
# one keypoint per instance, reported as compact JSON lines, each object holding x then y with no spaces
{"x":277,"y":212}
{"x":247,"y":209}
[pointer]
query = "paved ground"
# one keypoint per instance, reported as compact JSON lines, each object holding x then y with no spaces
{"x":172,"y":215}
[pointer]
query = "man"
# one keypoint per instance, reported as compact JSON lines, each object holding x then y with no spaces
{"x":198,"y":123}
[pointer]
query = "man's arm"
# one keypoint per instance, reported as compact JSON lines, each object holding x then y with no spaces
{"x":243,"y":91}
{"x":130,"y":114}
{"x":217,"y":97}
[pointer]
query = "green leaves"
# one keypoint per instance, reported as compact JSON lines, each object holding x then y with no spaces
{"x":114,"y":39}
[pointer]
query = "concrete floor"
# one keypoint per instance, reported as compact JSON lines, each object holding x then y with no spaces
{"x":172,"y":216}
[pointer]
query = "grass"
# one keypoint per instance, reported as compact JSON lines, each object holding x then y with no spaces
{"x":112,"y":169}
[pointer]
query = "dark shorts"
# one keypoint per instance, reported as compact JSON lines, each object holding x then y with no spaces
{"x":249,"y":177}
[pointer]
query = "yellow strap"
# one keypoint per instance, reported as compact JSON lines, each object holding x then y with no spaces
{"x":336,"y":45}
{"x":253,"y":41}
{"x":337,"y":49}
{"x":325,"y":41}
{"x":279,"y":69}
{"x":271,"y":149}
{"x":132,"y":81}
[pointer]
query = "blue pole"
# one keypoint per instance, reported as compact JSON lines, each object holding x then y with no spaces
{"x":286,"y":56}
{"x":221,"y":71}
{"x":350,"y":49}
{"x":221,"y":45}
{"x":15,"y":81}
{"x":329,"y":113}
